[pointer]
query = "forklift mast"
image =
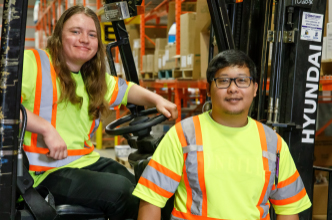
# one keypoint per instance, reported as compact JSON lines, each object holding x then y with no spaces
{"x":12,"y":48}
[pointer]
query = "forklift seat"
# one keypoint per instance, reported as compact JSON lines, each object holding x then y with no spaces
{"x":69,"y":212}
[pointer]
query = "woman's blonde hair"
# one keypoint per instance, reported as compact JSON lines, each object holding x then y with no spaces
{"x":93,"y":71}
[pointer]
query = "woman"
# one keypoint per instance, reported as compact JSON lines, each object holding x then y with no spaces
{"x":65,"y":90}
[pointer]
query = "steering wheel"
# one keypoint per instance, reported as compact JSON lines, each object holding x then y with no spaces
{"x":139,"y":124}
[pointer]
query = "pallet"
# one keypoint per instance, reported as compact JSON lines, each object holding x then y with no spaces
{"x":149,"y":75}
{"x":168,"y":74}
{"x":123,"y":161}
{"x":184,"y":74}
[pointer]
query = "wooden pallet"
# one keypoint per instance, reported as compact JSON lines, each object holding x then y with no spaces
{"x":149,"y":75}
{"x":123,"y":161}
{"x":184,"y":74}
{"x":168,"y":74}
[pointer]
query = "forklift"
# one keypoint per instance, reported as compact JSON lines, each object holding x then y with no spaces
{"x":244,"y":25}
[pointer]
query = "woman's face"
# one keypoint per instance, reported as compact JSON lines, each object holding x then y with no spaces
{"x":79,"y":40}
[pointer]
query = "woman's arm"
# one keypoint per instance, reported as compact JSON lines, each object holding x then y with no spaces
{"x":147,"y":211}
{"x":53,"y":140}
{"x":140,"y":96}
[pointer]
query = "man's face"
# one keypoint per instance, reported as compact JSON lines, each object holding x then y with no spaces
{"x":79,"y":39}
{"x":232,"y":100}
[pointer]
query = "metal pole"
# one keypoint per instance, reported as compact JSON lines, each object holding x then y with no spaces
{"x":12,"y":49}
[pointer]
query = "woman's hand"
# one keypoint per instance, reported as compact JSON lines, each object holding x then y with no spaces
{"x":167,"y":108}
{"x":55,"y":143}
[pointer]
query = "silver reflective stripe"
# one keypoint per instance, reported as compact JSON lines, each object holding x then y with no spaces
{"x":188,"y":128}
{"x":97,"y":121}
{"x":46,"y":98}
{"x":176,"y":218}
{"x":191,"y":148}
{"x":122,"y":85}
{"x":269,"y":155}
{"x":42,"y":160}
{"x":289,"y":191}
{"x":160,"y":179}
{"x":192,"y":173}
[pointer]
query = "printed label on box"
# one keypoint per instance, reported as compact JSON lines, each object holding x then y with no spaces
{"x":312,"y":27}
{"x":189,"y":60}
{"x":167,"y":54}
{"x":183,"y":61}
{"x":159,"y":63}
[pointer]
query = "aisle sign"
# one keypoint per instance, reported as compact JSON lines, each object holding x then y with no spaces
{"x":312,"y":27}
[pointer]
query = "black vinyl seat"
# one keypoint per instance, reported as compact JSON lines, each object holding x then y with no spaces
{"x":70,"y":212}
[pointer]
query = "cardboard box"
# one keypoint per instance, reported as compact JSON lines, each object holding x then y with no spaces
{"x":323,"y":151}
{"x":148,"y":44}
{"x":170,"y":51}
{"x":187,"y":34}
{"x":186,"y":6}
{"x":145,"y":60}
{"x":187,"y":62}
{"x":172,"y":63}
{"x":161,"y":43}
{"x":329,"y":9}
{"x":203,"y":23}
{"x":205,"y":41}
{"x":319,"y":208}
{"x":134,"y":33}
{"x":150,"y":64}
{"x":158,"y":54}
{"x":329,"y":41}
{"x":324,"y":49}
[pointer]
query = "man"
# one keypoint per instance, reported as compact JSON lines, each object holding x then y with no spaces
{"x":222,"y":164}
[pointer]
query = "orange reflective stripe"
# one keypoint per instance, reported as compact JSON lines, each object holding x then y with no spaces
{"x":36,"y":108}
{"x":198,"y":133}
{"x":164,"y":170}
{"x":41,"y":150}
{"x":200,"y":160}
{"x":55,"y":95}
{"x":290,"y":200}
{"x":39,"y":168}
{"x":273,"y":187}
{"x":279,"y":143}
{"x":35,"y":149}
{"x":115,"y":91}
{"x":289,"y":181}
{"x":79,"y":152}
{"x":91,"y":129}
{"x":21,"y":99}
{"x":179,"y":131}
{"x":265,"y":165}
{"x":189,"y":216}
{"x":154,"y":187}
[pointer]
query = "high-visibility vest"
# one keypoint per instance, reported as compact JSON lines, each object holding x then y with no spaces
{"x":45,"y":106}
{"x":165,"y":182}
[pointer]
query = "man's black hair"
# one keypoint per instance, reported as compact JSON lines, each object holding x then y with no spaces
{"x":230,"y":58}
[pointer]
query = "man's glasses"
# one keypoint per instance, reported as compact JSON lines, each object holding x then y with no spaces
{"x":240,"y":82}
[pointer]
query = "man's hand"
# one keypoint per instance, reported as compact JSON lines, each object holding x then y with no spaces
{"x":54,"y":142}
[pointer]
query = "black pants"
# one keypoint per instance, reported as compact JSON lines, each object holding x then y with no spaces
{"x":105,"y":185}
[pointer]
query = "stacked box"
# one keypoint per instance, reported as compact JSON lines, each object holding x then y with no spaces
{"x":329,"y":41}
{"x":159,"y":52}
{"x":187,"y":45}
{"x":149,"y":63}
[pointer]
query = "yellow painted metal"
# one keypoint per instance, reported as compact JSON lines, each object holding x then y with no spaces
{"x":99,"y":136}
